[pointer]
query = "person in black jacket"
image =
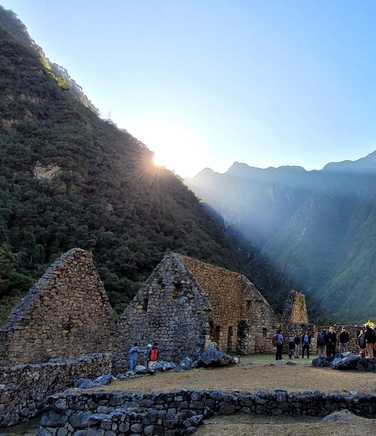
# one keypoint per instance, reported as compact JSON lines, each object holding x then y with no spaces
{"x":331,"y":342}
{"x":344,"y":339}
{"x":321,"y":343}
{"x":297,"y":346}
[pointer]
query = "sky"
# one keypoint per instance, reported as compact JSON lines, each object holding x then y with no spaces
{"x":205,"y":83}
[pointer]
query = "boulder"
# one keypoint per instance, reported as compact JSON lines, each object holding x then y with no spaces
{"x":186,"y":364}
{"x":349,"y":361}
{"x":213,"y":358}
{"x":84,"y":383}
{"x":321,"y":362}
{"x":141,"y":370}
{"x":340,"y":416}
{"x":162,"y":365}
{"x":105,"y":379}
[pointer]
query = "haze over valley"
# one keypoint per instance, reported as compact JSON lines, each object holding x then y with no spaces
{"x":316,"y":227}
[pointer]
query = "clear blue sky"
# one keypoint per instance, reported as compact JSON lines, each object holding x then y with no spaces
{"x":262,"y":82}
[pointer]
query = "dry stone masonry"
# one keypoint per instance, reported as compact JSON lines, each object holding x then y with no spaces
{"x":24,"y":388}
{"x":186,"y":303}
{"x":63,"y":330}
{"x":169,"y":309}
{"x":65,"y":314}
{"x":180,"y":413}
{"x":295,"y":320}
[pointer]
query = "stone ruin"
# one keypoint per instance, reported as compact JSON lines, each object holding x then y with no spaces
{"x":295,"y":311}
{"x":186,"y":303}
{"x":63,"y":328}
{"x":65,"y":314}
{"x":295,"y":321}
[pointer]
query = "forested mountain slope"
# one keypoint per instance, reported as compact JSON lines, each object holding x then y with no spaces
{"x":317,"y":227}
{"x":68,"y":178}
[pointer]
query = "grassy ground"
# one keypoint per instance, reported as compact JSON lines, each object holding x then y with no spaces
{"x":254,"y":373}
{"x":244,"y":425}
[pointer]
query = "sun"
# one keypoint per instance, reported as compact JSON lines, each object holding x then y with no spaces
{"x":175,"y":146}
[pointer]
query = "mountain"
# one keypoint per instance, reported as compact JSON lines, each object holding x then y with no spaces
{"x":316,"y":227}
{"x":364,"y":165}
{"x":69,"y":178}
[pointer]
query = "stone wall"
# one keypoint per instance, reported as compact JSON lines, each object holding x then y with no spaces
{"x":24,"y":388}
{"x":65,"y":314}
{"x":241,"y":320}
{"x":185,"y":303}
{"x":295,"y":311}
{"x":120,"y":413}
{"x":170,"y":309}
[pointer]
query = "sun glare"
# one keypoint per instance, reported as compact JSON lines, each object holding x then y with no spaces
{"x":175,"y":146}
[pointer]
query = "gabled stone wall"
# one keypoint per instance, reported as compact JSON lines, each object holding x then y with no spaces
{"x":295,"y":311}
{"x":169,"y":309}
{"x":65,"y":314}
{"x":241,"y":319}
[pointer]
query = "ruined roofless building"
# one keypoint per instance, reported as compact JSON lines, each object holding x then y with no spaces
{"x":185,"y":303}
{"x":295,"y":311}
{"x":66,"y":314}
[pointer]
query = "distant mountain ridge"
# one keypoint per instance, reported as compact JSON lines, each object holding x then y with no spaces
{"x":363,"y":165}
{"x":318,"y":227}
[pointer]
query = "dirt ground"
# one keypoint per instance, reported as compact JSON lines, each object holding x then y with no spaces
{"x":244,"y":425}
{"x":254,"y":373}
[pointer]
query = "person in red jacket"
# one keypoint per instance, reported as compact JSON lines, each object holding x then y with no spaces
{"x":154,"y":354}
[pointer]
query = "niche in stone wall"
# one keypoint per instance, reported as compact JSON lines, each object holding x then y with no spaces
{"x":145,"y":304}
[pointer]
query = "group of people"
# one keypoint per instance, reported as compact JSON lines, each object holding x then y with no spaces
{"x":328,"y":343}
{"x":297,"y":345}
{"x":367,"y":342}
{"x":150,"y":355}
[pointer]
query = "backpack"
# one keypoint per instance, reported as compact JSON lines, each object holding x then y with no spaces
{"x":274,"y":340}
{"x":154,"y":354}
{"x":306,"y":339}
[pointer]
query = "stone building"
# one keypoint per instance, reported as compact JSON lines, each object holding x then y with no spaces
{"x":186,"y":302}
{"x":65,"y":314}
{"x":295,"y":321}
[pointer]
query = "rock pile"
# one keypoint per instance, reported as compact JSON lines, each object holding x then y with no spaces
{"x":346,"y":361}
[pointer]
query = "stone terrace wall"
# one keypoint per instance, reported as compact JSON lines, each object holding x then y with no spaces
{"x":119,"y":413}
{"x":24,"y":388}
{"x":65,"y":314}
{"x":169,"y":309}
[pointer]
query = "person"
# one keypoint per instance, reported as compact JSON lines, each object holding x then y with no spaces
{"x":370,"y":340}
{"x":306,"y":342}
{"x":362,"y":343}
{"x":344,"y":339}
{"x":133,"y":356}
{"x":147,"y":352}
{"x":321,"y":343}
{"x":154,"y":354}
{"x":331,"y":342}
{"x":278,"y":341}
{"x":297,"y":346}
{"x":291,"y":347}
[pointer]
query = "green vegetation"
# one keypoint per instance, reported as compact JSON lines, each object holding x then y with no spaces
{"x":106,"y":196}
